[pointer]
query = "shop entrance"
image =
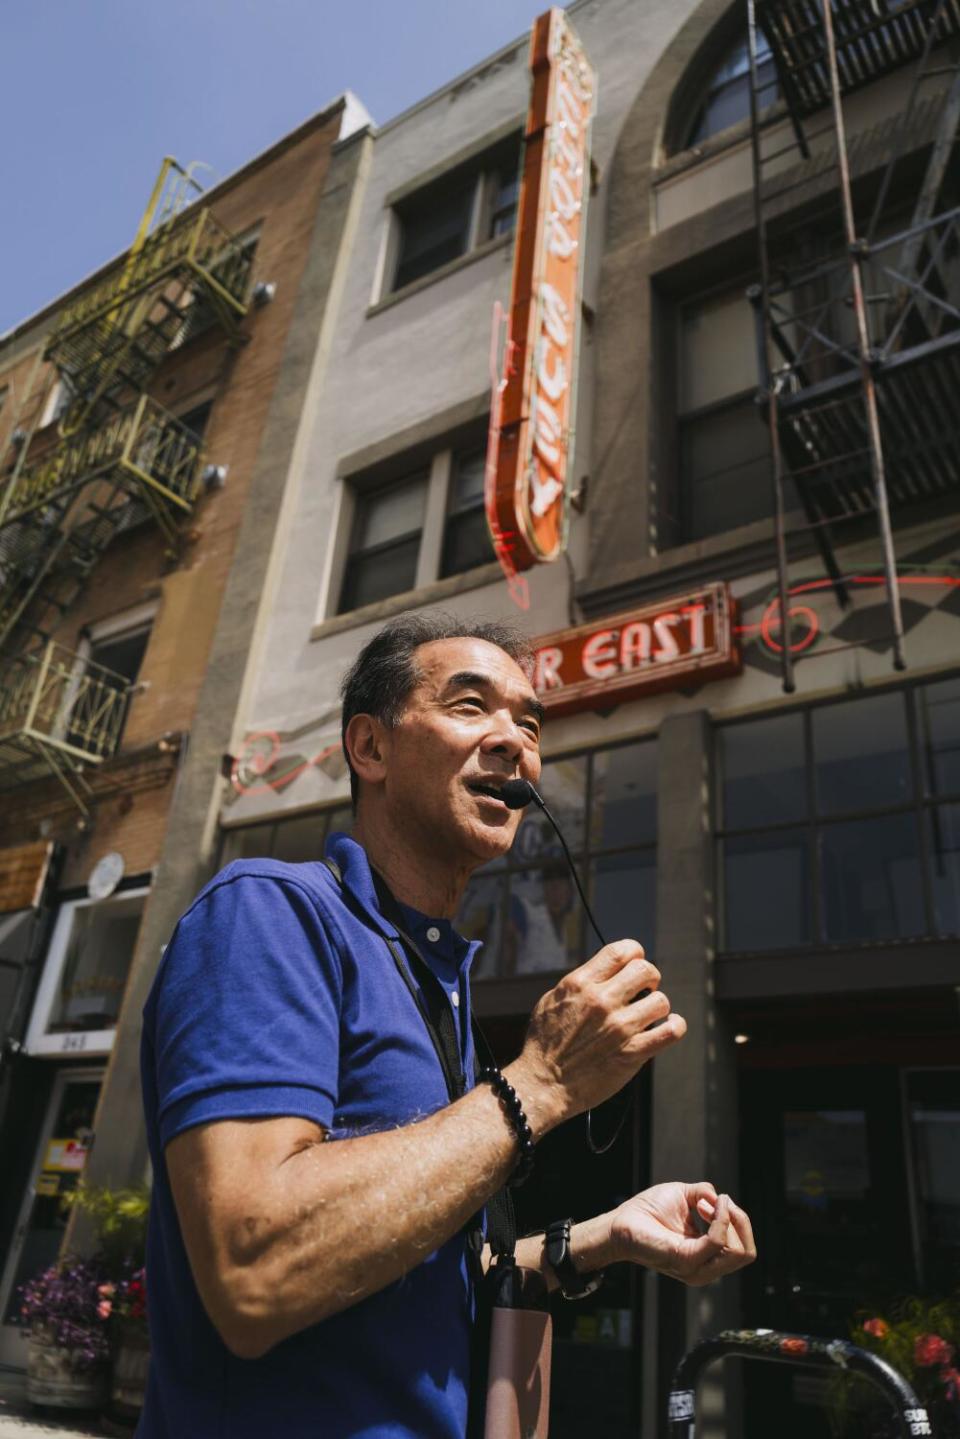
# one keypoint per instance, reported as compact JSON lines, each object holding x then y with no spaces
{"x":60,"y":1157}
{"x":852,"y":1176}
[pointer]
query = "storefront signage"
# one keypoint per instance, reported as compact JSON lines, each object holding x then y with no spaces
{"x":533,"y":411}
{"x":688,"y":639}
{"x":23,"y":874}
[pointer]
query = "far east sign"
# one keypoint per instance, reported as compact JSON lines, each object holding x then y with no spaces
{"x":686,"y":640}
{"x":532,"y":417}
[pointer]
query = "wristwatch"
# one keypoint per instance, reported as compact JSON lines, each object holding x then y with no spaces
{"x":572,"y":1284}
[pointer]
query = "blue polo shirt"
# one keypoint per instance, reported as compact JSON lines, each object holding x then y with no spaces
{"x":277,"y":995}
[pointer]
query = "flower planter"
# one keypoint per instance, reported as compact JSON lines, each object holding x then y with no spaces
{"x":55,"y":1379}
{"x":130,"y":1366}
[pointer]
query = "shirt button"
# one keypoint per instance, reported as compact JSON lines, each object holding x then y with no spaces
{"x":433,"y":934}
{"x":455,"y":999}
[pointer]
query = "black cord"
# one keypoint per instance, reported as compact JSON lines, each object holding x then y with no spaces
{"x":592,"y":1144}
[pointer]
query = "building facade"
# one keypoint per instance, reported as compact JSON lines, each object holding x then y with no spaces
{"x":783,"y":836}
{"x":149,"y":420}
{"x":785,"y":845}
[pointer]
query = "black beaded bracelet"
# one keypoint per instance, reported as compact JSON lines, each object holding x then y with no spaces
{"x":518,"y":1121}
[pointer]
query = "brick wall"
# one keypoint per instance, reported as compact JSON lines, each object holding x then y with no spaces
{"x":278,"y":195}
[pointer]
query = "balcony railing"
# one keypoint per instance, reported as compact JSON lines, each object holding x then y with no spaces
{"x":152,"y":446}
{"x":58,"y":712}
{"x":194,"y":244}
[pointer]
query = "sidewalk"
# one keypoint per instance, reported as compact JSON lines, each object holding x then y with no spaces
{"x":20,"y":1420}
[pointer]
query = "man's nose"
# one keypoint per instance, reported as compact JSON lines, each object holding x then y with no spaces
{"x":505,"y":737}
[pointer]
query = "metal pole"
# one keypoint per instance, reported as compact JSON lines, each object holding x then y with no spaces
{"x":856,"y":251}
{"x":765,"y":347}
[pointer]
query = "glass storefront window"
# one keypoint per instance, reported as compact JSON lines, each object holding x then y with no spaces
{"x":763,"y":772}
{"x":862,"y":754}
{"x":943,"y":845}
{"x":296,"y":840}
{"x":887,"y":863}
{"x":623,"y":896}
{"x":624,"y":799}
{"x":543,"y":924}
{"x":871,"y":879}
{"x":940,"y":737}
{"x":933,"y":1101}
{"x":766,"y":887}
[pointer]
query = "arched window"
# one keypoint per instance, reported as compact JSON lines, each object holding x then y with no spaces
{"x":726,"y":95}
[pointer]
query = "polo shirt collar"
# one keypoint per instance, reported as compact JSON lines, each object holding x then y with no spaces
{"x":351,"y":859}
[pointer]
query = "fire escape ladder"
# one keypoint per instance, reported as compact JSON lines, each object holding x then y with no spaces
{"x":62,"y":511}
{"x":109,"y":343}
{"x":117,"y":459}
{"x":59,"y":712}
{"x":858,"y":339}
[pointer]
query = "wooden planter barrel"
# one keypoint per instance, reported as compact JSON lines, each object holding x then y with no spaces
{"x":56,"y":1380}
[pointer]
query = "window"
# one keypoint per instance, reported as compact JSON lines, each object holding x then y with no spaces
{"x":841,"y":824}
{"x":451,"y":216}
{"x":388,"y":525}
{"x":85,"y":975}
{"x":428,"y":524}
{"x":726,"y":96}
{"x":295,"y":841}
{"x":466,"y":540}
{"x":723,"y":442}
{"x":525,"y":908}
{"x":118,"y":646}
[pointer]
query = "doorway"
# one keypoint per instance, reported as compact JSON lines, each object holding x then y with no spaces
{"x":59,"y":1160}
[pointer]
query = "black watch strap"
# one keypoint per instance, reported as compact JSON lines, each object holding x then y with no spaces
{"x":572,"y":1284}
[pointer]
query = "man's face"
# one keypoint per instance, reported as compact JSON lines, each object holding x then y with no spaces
{"x":471,"y":723}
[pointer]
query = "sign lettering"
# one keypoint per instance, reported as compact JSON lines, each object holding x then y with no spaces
{"x":662,"y":646}
{"x":529,"y":448}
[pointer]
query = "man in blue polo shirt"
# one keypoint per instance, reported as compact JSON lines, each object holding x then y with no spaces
{"x":302,"y":1287}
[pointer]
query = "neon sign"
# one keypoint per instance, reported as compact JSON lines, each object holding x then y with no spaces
{"x":689,"y":638}
{"x":262,"y":768}
{"x":528,"y":457}
{"x":806,"y":625}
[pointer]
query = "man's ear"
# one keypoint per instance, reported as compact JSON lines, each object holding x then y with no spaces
{"x":363,"y":742}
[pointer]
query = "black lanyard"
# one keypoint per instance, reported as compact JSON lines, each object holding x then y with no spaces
{"x":434,"y":1006}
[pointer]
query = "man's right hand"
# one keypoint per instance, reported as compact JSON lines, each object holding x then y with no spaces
{"x":590,"y":1034}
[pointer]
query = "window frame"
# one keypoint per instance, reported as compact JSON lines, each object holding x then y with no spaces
{"x":438,"y":459}
{"x":477,"y":173}
{"x":684,"y":418}
{"x":88,"y":1042}
{"x":918,"y":805}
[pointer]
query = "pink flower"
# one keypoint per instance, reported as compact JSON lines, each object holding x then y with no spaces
{"x":951,"y":1377}
{"x":106,"y":1289}
{"x":879,"y":1328}
{"x":930,"y":1349}
{"x":104,"y":1308}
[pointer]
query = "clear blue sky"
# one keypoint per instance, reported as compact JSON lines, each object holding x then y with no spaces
{"x":95,"y":92}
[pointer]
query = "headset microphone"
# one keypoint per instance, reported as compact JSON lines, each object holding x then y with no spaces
{"x":517,"y":794}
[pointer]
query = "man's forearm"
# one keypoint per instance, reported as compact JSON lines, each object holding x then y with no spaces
{"x":341,"y":1220}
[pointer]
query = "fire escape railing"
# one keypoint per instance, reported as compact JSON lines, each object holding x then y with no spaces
{"x":859,"y":355}
{"x":58,"y":713}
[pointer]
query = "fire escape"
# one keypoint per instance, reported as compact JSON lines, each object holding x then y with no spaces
{"x":114,"y":459}
{"x":858,"y":305}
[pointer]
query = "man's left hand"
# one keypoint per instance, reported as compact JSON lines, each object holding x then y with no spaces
{"x":660,"y":1230}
